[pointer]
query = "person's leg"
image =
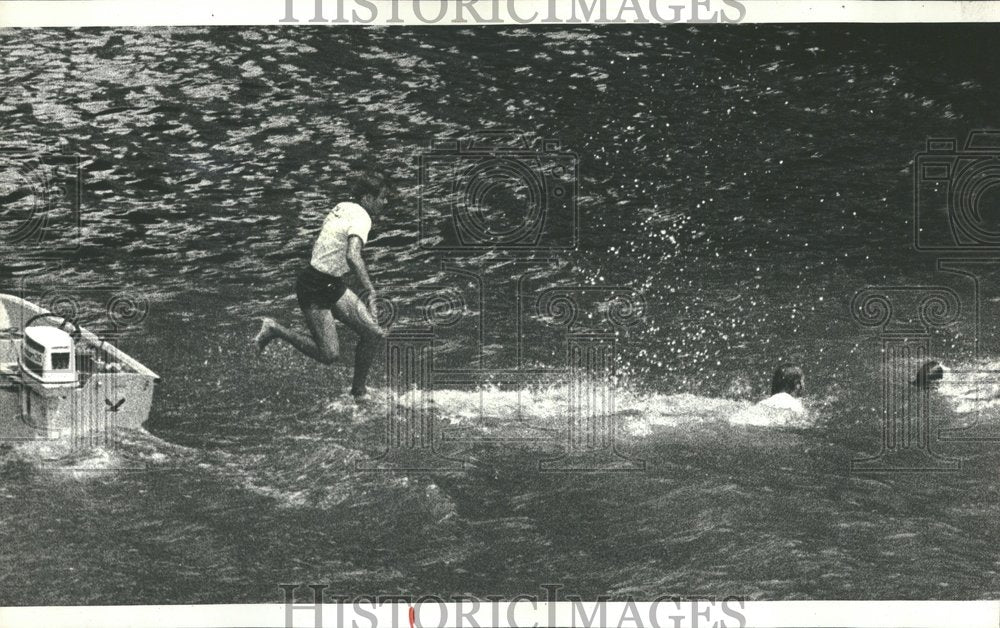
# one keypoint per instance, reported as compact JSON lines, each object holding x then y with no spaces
{"x":354,"y":313}
{"x":364,"y":355}
{"x":323,"y":345}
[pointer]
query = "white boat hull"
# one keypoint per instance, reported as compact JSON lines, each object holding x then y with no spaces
{"x":113,"y":390}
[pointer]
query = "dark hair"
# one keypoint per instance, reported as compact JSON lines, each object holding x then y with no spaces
{"x":787,"y":379}
{"x":370,"y":191}
{"x":930,"y":371}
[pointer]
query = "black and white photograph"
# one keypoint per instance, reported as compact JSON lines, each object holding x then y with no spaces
{"x":599,"y":309}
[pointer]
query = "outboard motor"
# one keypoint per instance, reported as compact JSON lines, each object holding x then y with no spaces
{"x":47,"y":355}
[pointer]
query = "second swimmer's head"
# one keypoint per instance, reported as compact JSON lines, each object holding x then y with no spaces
{"x":929,"y":372}
{"x":788,"y":378}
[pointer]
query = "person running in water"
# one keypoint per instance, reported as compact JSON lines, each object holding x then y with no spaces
{"x":324,"y":296}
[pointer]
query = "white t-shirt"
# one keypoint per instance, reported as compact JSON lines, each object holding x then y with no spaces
{"x":783,"y":401}
{"x":329,"y":254}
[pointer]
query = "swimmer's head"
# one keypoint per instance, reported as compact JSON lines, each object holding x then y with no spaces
{"x":788,"y":379}
{"x":370,"y":191}
{"x":928,"y":373}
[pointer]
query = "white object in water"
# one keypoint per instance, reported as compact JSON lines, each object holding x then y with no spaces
{"x":783,"y":401}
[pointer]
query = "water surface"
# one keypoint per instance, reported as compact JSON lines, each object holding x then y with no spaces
{"x":746,"y":181}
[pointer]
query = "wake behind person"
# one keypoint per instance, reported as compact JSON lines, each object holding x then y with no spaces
{"x":323,"y":295}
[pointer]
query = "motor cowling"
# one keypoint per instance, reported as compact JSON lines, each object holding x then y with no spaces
{"x":47,"y":354}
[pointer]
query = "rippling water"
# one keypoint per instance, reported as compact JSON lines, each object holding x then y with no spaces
{"x":746,"y":181}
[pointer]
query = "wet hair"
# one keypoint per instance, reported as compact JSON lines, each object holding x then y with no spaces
{"x":930,"y":371}
{"x":787,"y":379}
{"x":370,"y":191}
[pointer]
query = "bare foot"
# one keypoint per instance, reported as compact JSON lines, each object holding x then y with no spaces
{"x":361,"y":397}
{"x":265,"y":335}
{"x":363,"y":401}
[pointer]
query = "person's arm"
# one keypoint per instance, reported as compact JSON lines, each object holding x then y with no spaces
{"x":357,"y":264}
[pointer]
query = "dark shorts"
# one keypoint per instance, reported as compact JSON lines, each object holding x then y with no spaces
{"x":314,"y":289}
